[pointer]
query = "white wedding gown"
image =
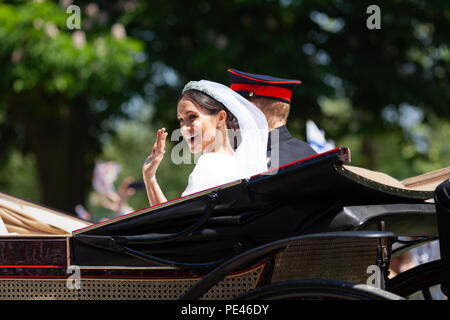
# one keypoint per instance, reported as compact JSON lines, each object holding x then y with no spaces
{"x":215,"y":169}
{"x":212,"y":170}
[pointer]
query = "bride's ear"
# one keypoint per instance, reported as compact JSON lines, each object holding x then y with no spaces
{"x":221,"y":118}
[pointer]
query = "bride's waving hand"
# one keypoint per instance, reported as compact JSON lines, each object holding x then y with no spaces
{"x":154,"y":159}
{"x":150,"y":167}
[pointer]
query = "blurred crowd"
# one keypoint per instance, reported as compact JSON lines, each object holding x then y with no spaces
{"x":416,"y":256}
{"x":105,"y":194}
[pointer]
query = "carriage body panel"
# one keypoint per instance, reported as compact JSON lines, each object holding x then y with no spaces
{"x":315,"y":218}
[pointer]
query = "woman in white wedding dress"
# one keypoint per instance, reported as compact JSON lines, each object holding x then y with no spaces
{"x":230,"y":132}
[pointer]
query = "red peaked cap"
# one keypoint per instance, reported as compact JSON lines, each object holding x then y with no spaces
{"x":258,"y":85}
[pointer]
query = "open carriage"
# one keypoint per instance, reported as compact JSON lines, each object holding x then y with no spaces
{"x":316,"y":228}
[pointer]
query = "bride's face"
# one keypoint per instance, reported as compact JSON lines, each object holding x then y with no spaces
{"x":198,"y":128}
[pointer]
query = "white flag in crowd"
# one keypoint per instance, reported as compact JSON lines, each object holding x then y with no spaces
{"x":316,"y":138}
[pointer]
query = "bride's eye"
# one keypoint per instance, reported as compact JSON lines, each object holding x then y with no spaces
{"x":192,"y":117}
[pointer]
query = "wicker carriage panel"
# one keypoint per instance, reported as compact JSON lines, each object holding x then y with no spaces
{"x":334,"y":259}
{"x":125,"y":289}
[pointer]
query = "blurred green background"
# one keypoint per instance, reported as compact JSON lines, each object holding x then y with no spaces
{"x":71,"y":97}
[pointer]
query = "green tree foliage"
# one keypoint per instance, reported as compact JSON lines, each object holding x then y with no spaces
{"x":324,"y":43}
{"x":383,"y":92}
{"x":57,"y":88}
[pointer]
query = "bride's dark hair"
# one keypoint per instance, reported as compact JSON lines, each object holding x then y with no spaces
{"x":212,"y":106}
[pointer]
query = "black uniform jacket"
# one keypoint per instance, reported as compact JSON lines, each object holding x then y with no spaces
{"x":282,"y":148}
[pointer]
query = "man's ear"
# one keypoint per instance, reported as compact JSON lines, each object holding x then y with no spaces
{"x":255,"y":102}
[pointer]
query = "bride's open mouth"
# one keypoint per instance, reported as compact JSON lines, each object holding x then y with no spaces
{"x":192,"y":140}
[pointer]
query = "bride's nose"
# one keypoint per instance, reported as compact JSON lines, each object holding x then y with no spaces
{"x":187,"y":130}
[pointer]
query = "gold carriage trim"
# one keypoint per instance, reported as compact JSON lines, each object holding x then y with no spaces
{"x":126,"y":289}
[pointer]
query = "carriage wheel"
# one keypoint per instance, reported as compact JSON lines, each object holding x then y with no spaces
{"x":420,"y":282}
{"x":318,"y":289}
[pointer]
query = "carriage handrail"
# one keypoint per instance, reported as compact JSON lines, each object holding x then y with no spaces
{"x":367,"y":217}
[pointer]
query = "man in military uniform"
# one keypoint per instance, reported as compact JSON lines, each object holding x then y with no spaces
{"x":273,"y":97}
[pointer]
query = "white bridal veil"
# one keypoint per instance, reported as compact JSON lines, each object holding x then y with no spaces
{"x":252,"y":151}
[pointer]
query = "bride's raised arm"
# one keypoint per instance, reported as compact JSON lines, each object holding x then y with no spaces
{"x":151,"y":164}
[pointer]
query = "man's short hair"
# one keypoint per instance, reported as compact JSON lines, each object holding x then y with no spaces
{"x":272,"y":108}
